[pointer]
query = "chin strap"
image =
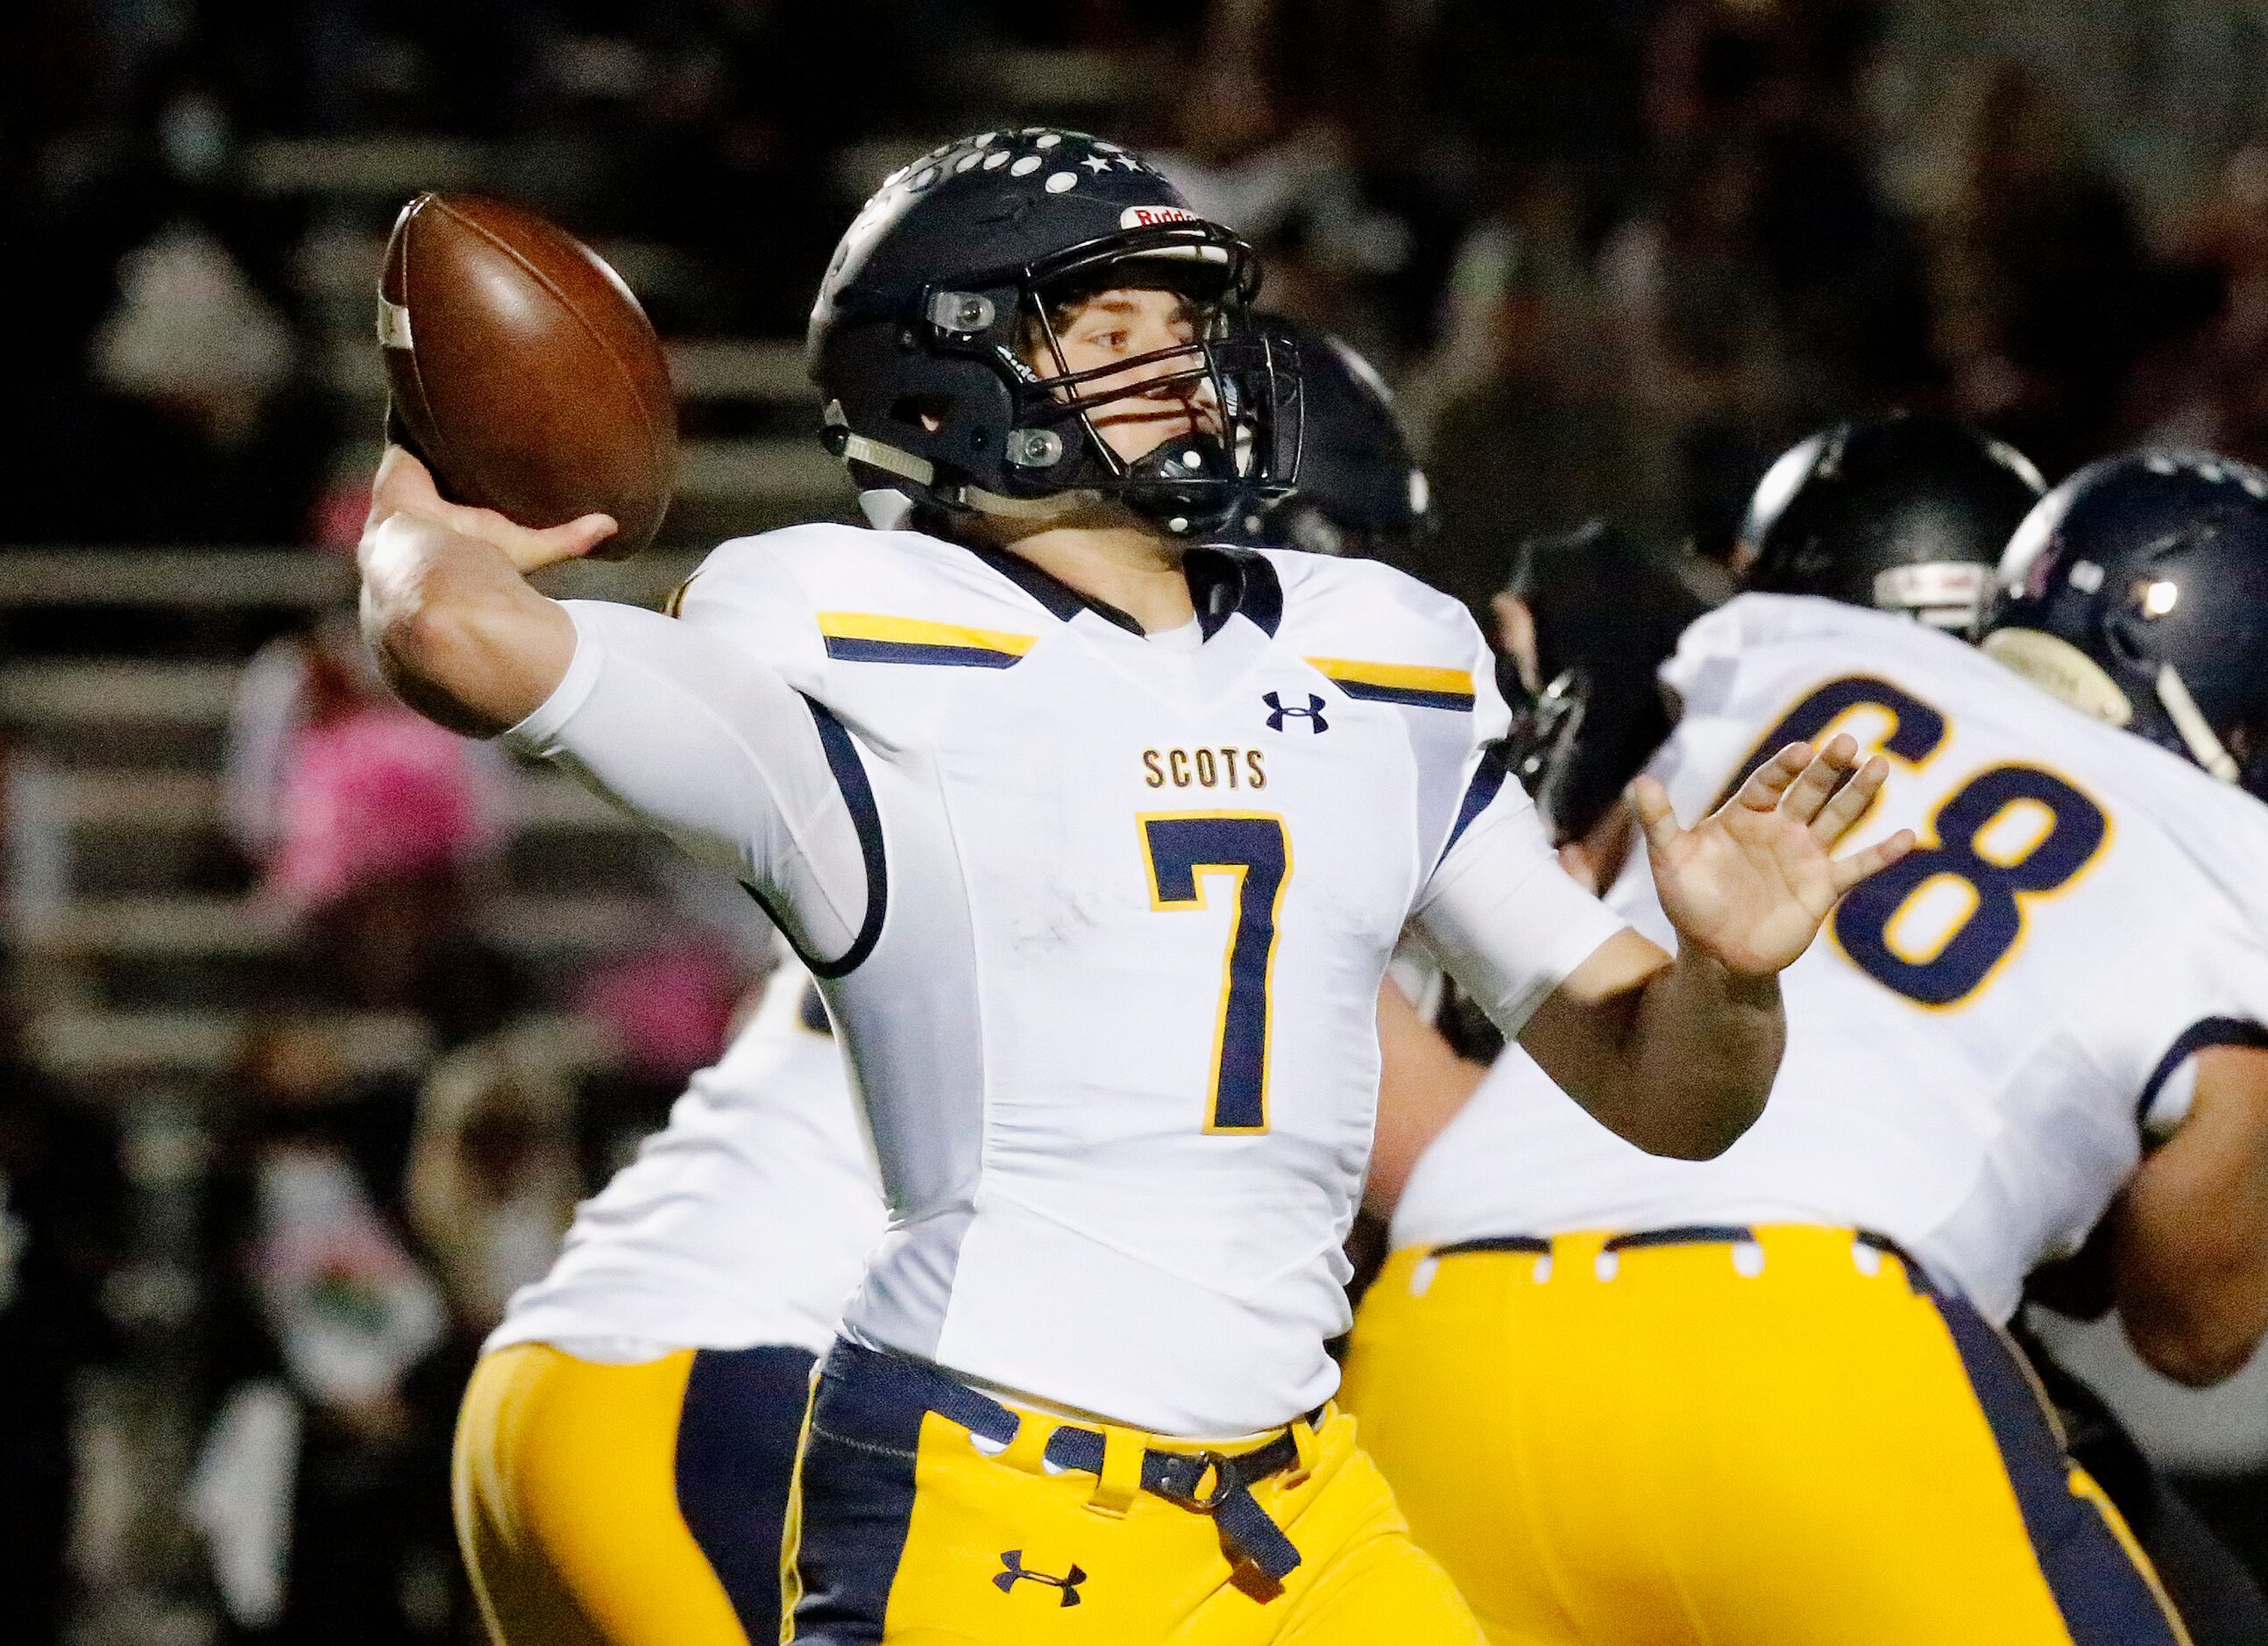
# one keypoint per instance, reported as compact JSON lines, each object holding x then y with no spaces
{"x":2205,"y":748}
{"x":886,"y":511}
{"x":1053,"y":507}
{"x":857,"y":448}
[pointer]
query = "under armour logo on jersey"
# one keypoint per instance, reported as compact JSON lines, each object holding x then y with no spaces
{"x":1277,"y":713}
{"x":1013,"y":1562}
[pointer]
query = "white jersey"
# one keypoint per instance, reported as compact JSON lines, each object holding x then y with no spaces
{"x":1976,"y":1042}
{"x":745,"y":1221}
{"x":1101,"y":920}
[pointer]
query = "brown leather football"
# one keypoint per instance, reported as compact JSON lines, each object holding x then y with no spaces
{"x":524,"y":371}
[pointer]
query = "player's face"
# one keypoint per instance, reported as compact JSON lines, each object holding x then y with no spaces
{"x":1126,"y":323}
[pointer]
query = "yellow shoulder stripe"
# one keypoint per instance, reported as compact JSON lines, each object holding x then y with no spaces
{"x":868,"y":625}
{"x":1397,"y":676}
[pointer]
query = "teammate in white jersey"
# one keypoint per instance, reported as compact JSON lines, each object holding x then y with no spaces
{"x":624,"y":1455}
{"x":1099,"y":844}
{"x":1763,"y":1400}
{"x":1911,"y":513}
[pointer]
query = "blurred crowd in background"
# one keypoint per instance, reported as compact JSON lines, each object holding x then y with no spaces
{"x":1615,"y":255}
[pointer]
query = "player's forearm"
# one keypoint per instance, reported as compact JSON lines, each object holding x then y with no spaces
{"x":1673,"y":1055}
{"x":2195,"y":1308}
{"x":1704,"y":1046}
{"x":461,"y":634}
{"x":2190,"y":1233}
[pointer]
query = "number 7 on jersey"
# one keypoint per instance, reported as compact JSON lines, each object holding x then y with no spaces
{"x":1182,"y":849}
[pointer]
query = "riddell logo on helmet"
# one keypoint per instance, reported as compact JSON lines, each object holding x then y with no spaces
{"x":1151,"y":217}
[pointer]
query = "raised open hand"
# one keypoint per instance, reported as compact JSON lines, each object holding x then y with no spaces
{"x":1750,"y":884}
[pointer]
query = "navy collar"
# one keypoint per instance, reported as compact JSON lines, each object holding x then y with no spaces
{"x":1223,"y":581}
{"x":1051,"y":591}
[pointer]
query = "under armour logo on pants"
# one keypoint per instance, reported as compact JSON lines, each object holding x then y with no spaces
{"x":1013,"y":1562}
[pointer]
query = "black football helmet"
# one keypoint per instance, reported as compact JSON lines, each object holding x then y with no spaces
{"x":2138,"y":591}
{"x":1360,"y":492}
{"x":1906,"y":514}
{"x":1606,"y":612}
{"x":939,"y":298}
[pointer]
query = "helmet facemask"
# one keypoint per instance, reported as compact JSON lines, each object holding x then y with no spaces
{"x":1235,"y":448}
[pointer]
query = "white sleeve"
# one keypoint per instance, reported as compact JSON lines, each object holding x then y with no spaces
{"x":1505,"y":921}
{"x":685,"y":730}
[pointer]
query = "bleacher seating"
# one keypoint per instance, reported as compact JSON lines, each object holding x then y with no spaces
{"x":115,"y":814}
{"x":138,"y":962}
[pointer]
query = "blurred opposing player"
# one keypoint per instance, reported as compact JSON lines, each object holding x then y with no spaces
{"x":624,"y":1456}
{"x":1765,"y":1400}
{"x":1585,"y":617}
{"x":1098,"y":845}
{"x":1361,"y":493}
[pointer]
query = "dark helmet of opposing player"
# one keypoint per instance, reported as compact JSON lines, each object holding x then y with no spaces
{"x":1907,"y":513}
{"x":944,"y":292}
{"x":1360,"y":491}
{"x":2138,"y":591}
{"x":1604,"y":612}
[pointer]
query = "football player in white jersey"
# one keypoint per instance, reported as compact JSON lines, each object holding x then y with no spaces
{"x":624,"y":1455}
{"x":1902,"y":512}
{"x":1911,"y":513}
{"x":1764,"y":1398}
{"x":1098,"y":843}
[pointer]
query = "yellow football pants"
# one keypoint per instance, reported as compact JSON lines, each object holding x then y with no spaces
{"x":1781,"y":1440}
{"x":943,"y":1541}
{"x":637,"y":1505}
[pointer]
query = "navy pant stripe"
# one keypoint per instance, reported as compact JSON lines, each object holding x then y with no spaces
{"x":858,"y":1508}
{"x":736,"y":1435}
{"x":2104,"y":1598}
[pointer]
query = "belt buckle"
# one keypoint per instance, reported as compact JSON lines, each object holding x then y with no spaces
{"x":1247,"y":1530}
{"x":1215,"y":1463}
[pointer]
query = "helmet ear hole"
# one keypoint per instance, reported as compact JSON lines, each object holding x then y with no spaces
{"x":925,"y":412}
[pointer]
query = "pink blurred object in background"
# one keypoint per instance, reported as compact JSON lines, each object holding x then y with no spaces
{"x":377,"y":795}
{"x":667,"y":1007}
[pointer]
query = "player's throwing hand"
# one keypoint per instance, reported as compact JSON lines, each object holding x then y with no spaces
{"x":1750,"y":884}
{"x":405,"y":486}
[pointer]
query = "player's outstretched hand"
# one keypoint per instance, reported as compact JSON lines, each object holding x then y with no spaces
{"x":405,"y":486}
{"x":1751,"y":883}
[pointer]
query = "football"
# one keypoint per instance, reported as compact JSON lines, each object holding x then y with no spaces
{"x":523,"y":370}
